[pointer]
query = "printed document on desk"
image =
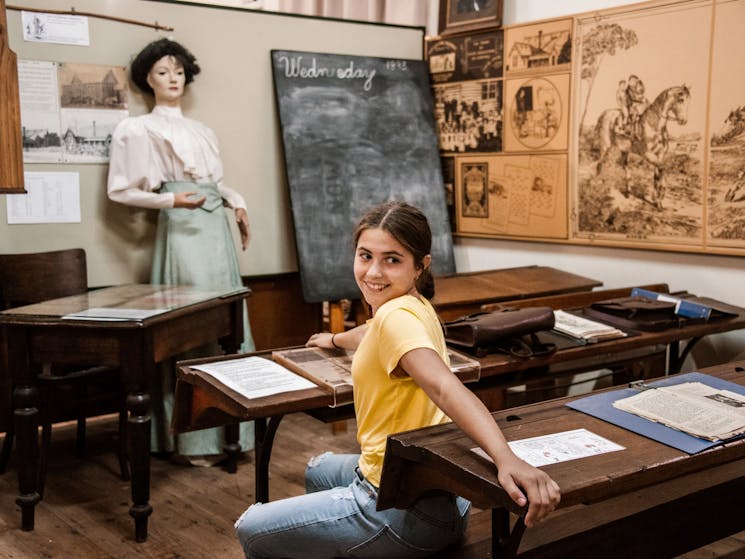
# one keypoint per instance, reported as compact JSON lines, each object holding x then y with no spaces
{"x":254,"y":377}
{"x":601,"y":406}
{"x":113,"y":313}
{"x":558,"y":447}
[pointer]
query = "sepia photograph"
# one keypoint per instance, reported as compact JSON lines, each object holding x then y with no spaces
{"x":538,"y":48}
{"x":537,"y":113}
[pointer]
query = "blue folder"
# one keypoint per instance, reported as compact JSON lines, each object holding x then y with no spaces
{"x":601,"y":406}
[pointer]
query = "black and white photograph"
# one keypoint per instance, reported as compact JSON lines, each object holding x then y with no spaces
{"x":469,"y":116}
{"x":463,"y":15}
{"x":471,"y":57}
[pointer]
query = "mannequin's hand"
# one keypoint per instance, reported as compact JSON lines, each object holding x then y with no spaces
{"x":241,"y":217}
{"x":184,"y":200}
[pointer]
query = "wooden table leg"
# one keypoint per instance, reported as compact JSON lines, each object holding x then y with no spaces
{"x":138,"y":430}
{"x":26,"y":419}
{"x":505,"y":543}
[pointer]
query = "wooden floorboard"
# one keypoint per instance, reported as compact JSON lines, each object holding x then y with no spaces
{"x":84,"y":511}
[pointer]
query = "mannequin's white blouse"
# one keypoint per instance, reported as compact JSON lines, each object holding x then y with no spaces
{"x":159,"y":147}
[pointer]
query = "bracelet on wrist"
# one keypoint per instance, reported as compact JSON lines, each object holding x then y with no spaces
{"x":333,"y":343}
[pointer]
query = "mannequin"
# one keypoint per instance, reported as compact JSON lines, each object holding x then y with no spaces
{"x":171,"y":163}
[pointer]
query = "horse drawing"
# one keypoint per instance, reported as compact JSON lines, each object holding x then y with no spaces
{"x":734,"y":126}
{"x":648,"y":137}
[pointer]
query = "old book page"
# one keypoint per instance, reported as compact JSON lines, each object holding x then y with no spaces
{"x":692,"y":407}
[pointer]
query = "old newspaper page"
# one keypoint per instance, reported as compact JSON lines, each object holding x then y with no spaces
{"x":692,"y":407}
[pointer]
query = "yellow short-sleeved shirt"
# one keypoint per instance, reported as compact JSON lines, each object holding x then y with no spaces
{"x":385,"y":403}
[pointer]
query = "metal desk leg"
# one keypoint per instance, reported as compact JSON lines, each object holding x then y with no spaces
{"x":264,"y":439}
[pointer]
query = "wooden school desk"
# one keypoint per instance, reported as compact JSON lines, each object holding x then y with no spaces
{"x":647,"y":501}
{"x":461,"y":294}
{"x":39,"y":333}
{"x":201,"y":405}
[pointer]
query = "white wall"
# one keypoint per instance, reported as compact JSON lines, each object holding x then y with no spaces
{"x":721,"y":277}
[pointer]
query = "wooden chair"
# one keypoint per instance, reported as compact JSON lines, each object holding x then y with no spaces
{"x":64,"y":392}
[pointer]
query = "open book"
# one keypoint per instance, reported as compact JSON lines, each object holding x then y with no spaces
{"x":584,"y":329}
{"x":692,"y":407}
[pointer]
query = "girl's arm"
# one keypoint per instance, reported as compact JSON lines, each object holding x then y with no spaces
{"x":429,"y":371}
{"x":348,"y":339}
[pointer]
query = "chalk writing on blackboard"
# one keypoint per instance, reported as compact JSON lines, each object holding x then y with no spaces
{"x":356,"y":131}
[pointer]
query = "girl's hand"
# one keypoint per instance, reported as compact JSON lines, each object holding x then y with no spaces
{"x":184,"y":200}
{"x":519,"y":478}
{"x":241,"y":217}
{"x":322,"y":339}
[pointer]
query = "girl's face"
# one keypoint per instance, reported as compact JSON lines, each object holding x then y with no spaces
{"x":383,"y":268}
{"x":167,"y":78}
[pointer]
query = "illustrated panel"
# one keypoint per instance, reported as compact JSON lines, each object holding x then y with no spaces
{"x":726,"y":192}
{"x":471,"y":57}
{"x":639,"y":120}
{"x":517,"y":195}
{"x":469,"y":116}
{"x":538,"y":48}
{"x":537,"y":113}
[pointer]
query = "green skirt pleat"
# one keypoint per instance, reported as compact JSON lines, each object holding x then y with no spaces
{"x":194,"y":247}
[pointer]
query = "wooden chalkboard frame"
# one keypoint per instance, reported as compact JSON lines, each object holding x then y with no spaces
{"x":11,"y":154}
{"x":356,"y":131}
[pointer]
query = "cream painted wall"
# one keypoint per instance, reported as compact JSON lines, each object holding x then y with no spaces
{"x":714,"y":276}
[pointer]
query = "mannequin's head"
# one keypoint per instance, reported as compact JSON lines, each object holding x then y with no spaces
{"x":152,"y":53}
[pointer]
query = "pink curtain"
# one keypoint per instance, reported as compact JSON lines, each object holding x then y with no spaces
{"x":403,"y":12}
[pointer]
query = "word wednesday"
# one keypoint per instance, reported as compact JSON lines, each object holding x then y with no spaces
{"x":296,"y":68}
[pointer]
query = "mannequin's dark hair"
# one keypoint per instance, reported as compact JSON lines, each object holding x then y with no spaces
{"x":409,"y":226}
{"x":148,"y":56}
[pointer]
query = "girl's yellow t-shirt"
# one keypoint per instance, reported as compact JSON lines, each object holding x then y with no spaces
{"x":384,"y":402}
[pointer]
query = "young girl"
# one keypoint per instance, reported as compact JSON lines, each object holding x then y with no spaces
{"x":402,"y":381}
{"x":171,"y":163}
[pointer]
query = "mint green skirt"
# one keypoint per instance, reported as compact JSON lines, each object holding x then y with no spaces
{"x":194,"y":247}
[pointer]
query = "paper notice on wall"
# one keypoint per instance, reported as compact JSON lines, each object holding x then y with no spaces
{"x":55,"y":28}
{"x":50,"y":198}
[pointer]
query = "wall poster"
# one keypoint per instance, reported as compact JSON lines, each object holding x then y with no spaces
{"x":726,"y":193}
{"x":640,"y":123}
{"x":512,"y":195}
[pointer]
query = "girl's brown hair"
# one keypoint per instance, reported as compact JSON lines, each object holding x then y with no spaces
{"x":409,"y":226}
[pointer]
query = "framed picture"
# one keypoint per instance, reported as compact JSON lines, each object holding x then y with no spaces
{"x":466,"y":15}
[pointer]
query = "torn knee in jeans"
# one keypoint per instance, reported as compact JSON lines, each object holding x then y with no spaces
{"x":316,"y":460}
{"x":245,"y":512}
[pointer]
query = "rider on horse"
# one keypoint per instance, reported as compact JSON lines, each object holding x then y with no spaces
{"x":632,"y":102}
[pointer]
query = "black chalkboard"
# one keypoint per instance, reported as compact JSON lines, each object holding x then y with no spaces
{"x":357,"y":131}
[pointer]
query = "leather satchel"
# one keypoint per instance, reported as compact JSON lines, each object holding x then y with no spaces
{"x":637,"y":313}
{"x":507,"y":330}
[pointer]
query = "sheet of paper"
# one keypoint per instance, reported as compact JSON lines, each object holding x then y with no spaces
{"x":255,"y":377}
{"x":40,"y":111}
{"x":55,"y":28}
{"x":50,"y":198}
{"x":113,"y":313}
{"x":559,"y":447}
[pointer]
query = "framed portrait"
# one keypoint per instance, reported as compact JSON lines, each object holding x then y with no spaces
{"x":467,"y":15}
